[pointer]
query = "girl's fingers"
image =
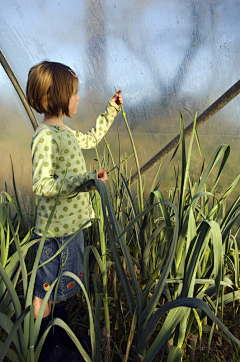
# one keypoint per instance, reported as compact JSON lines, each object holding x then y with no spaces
{"x":102,"y":174}
{"x":117,"y":98}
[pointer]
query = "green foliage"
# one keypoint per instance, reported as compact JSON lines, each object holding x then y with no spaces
{"x":161,"y":265}
{"x":176,"y":248}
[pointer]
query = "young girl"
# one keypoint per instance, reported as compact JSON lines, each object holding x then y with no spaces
{"x":58,"y":163}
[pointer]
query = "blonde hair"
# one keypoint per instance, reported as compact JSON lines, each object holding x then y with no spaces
{"x":50,"y":86}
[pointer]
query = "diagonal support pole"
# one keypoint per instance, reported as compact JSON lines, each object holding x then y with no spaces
{"x":19,"y":90}
{"x":204,"y":117}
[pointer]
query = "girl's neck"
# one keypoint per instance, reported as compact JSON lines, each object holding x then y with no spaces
{"x":53,"y":120}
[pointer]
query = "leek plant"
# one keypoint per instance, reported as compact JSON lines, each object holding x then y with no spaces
{"x":183,"y":254}
{"x":103,"y":264}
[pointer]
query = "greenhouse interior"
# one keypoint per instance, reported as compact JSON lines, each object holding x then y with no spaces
{"x":158,"y":275}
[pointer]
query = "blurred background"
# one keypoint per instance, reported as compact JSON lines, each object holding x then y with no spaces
{"x":164,"y":55}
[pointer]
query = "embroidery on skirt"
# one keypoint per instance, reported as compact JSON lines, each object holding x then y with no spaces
{"x":46,"y":286}
{"x":70,"y":285}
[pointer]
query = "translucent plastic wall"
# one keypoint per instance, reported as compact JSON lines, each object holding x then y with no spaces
{"x":164,"y":55}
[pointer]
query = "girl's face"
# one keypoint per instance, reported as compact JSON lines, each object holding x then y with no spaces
{"x":73,"y":102}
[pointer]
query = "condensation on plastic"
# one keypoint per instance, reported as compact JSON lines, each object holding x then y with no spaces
{"x":164,"y":55}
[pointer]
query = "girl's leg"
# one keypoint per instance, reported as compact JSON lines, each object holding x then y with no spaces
{"x":37,"y":302}
{"x":53,"y":350}
{"x":61,"y":312}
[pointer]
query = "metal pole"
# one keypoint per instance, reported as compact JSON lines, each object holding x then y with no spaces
{"x":19,"y":90}
{"x":204,"y":117}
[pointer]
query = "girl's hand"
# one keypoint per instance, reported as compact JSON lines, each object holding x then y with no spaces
{"x":102,"y":174}
{"x":117,"y":98}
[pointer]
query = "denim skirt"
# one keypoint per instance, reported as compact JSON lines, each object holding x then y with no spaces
{"x":70,"y":259}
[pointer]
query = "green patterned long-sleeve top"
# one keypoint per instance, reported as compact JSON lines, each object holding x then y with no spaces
{"x":58,"y":163}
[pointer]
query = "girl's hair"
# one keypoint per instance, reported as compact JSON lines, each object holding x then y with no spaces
{"x":50,"y":86}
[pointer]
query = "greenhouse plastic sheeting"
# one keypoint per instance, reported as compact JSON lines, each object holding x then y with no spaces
{"x":164,"y":55}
